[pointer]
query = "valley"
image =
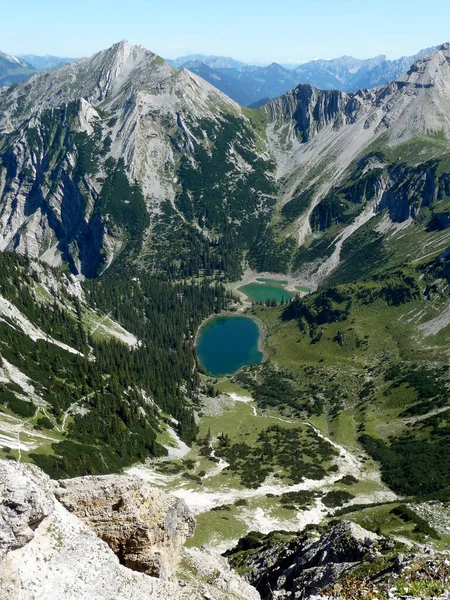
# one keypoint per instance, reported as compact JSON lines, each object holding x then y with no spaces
{"x":224,"y":505}
{"x":247,"y":308}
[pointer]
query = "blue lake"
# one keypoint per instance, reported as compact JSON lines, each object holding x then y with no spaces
{"x":225,"y":344}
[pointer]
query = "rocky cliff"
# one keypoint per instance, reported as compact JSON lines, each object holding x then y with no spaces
{"x":341,"y":562}
{"x":143,"y":526}
{"x":48,"y":553}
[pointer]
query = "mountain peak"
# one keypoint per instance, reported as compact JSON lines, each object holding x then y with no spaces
{"x":431,"y":69}
{"x":117,"y":70}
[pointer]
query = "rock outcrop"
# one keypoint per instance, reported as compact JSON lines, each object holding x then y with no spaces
{"x":25,"y":502}
{"x":143,"y":526}
{"x":340,"y":562}
{"x":48,"y":553}
{"x":303,"y":564}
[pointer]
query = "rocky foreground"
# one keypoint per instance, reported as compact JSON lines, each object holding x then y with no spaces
{"x":77,"y":539}
{"x":115,"y":537}
{"x":340,"y":562}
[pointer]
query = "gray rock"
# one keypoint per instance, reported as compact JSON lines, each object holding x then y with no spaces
{"x":25,"y":500}
{"x":305,"y":565}
{"x":144,"y":527}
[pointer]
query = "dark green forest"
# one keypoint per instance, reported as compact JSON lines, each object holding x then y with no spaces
{"x":124,"y":392}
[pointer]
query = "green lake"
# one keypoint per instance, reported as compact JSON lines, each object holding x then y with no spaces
{"x":272,"y":289}
{"x":225,"y":344}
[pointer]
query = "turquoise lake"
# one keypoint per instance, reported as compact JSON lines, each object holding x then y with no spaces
{"x":225,"y":344}
{"x":274,"y":290}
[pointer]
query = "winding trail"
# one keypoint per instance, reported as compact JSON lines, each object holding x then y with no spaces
{"x":209,"y":497}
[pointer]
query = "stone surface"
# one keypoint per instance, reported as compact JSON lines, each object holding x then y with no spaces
{"x":143,"y":526}
{"x":25,"y":501}
{"x":304,"y":564}
{"x":48,"y":553}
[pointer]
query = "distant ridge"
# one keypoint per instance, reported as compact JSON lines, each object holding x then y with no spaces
{"x":249,"y":84}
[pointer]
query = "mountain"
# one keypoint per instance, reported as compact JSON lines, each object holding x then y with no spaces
{"x":14,"y":70}
{"x":135,"y":202}
{"x":74,"y":137}
{"x":325,"y":140}
{"x":248,"y":85}
{"x":47,"y":62}
{"x":350,"y":74}
{"x":125,"y":117}
{"x":215,"y":62}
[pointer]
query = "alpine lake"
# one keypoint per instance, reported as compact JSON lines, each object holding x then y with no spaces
{"x":263,"y":289}
{"x":227,"y":343}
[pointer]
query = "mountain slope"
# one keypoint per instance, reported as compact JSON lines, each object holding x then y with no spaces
{"x":89,"y":382}
{"x":318,"y":137}
{"x":14,"y":70}
{"x":122,"y":120}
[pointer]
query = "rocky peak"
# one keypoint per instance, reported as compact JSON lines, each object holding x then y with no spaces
{"x":430,"y":69}
{"x":117,"y":70}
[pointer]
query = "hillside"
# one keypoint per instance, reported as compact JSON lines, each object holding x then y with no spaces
{"x":14,"y":70}
{"x":79,"y":393}
{"x":136,"y":199}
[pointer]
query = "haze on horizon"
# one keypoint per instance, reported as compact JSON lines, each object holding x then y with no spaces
{"x":254,"y":31}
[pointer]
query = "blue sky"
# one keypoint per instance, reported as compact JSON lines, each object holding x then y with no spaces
{"x":250,"y":30}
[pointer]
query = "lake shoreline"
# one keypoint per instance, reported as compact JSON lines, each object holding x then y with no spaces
{"x":259,"y":323}
{"x":250,"y":276}
{"x":291,"y":283}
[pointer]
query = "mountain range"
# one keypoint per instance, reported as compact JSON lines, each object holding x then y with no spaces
{"x":135,"y":200}
{"x":47,"y":62}
{"x":125,"y":113}
{"x":249,"y":85}
{"x":14,"y":70}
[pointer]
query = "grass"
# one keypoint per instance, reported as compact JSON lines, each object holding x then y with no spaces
{"x":216,"y":526}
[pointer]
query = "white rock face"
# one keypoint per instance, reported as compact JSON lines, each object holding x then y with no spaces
{"x":26,"y":501}
{"x":48,"y":553}
{"x":141,"y":524}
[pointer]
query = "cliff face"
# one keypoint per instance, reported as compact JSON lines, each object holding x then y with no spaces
{"x":48,"y":553}
{"x":143,"y":526}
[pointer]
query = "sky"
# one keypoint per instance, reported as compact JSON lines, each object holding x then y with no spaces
{"x":254,"y":31}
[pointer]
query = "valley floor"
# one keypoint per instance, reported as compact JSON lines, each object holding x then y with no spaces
{"x":224,"y":508}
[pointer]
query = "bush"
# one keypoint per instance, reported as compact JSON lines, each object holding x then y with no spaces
{"x":336,"y":498}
